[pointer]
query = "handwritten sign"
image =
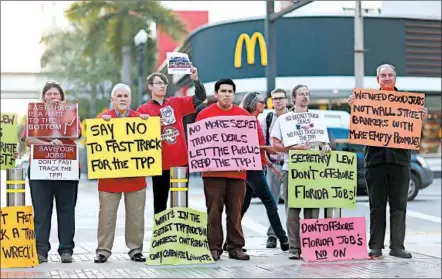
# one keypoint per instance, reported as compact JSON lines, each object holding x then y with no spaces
{"x":333,"y":239}
{"x":322,"y":181}
{"x":123,"y":147}
{"x":52,"y":162}
{"x":179,"y":237}
{"x":52,"y":121}
{"x":178,"y":63}
{"x":303,"y":127}
{"x":17,"y":237}
{"x":386,"y":118}
{"x":9,"y":140}
{"x":224,"y":144}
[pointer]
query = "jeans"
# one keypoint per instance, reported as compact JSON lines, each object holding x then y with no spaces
{"x":256,"y":182}
{"x":275,"y":187}
{"x":42,"y":195}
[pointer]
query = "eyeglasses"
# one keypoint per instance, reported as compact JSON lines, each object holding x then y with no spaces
{"x":261,"y":101}
{"x":160,"y":83}
{"x":279,"y":98}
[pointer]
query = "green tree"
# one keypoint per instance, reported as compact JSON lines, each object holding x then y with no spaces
{"x":115,"y":24}
{"x":89,"y":78}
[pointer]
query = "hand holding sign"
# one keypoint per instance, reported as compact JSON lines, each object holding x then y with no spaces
{"x":193,"y":72}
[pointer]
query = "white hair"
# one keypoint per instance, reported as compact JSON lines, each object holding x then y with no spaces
{"x":121,"y":86}
{"x":378,"y":70}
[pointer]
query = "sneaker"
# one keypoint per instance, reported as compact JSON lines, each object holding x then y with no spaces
{"x":295,"y":256}
{"x":42,"y":259}
{"x":271,"y":242}
{"x":66,"y":258}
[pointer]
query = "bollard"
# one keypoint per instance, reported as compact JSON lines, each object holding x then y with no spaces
{"x":179,"y":189}
{"x":15,"y":187}
{"x":332,"y":212}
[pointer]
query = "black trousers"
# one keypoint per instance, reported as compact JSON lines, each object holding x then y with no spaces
{"x":387,"y":182}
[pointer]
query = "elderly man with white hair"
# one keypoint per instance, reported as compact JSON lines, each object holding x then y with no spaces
{"x":387,"y":174}
{"x":110,"y":191}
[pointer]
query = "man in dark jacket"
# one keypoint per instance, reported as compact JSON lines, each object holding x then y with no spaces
{"x":387,"y":174}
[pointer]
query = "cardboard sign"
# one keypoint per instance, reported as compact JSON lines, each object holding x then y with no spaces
{"x":303,"y":128}
{"x":123,"y":147}
{"x":52,"y":162}
{"x":337,"y":239}
{"x":8,"y":140}
{"x":386,"y":118}
{"x":179,"y":237}
{"x":17,"y":237}
{"x":178,"y":63}
{"x":52,"y":121}
{"x":225,"y":143}
{"x":322,"y":181}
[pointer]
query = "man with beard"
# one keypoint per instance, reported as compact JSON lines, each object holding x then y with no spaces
{"x":224,"y":188}
{"x":110,"y":191}
{"x":387,"y":174}
{"x":301,"y":99}
{"x":173,"y":144}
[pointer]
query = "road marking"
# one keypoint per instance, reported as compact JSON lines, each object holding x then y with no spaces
{"x":415,"y":214}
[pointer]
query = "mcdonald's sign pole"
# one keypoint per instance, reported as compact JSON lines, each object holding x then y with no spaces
{"x":270,"y":36}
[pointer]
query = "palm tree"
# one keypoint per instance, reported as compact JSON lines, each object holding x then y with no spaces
{"x":115,"y":23}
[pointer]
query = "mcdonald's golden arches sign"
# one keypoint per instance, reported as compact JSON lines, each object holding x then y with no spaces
{"x":250,"y":42}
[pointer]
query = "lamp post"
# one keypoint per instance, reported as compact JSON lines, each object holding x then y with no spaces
{"x":140,"y":40}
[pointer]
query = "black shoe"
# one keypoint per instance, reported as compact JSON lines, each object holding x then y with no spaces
{"x":215,"y":255}
{"x":284,"y":245}
{"x":225,"y":248}
{"x":138,"y":257}
{"x":42,"y":259}
{"x":375,"y":253}
{"x":99,"y":258}
{"x":271,"y":242}
{"x":400,"y":253}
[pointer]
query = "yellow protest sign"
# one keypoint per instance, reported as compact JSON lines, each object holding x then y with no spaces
{"x":17,"y":237}
{"x":179,"y":237}
{"x":322,"y":181}
{"x":9,"y":140}
{"x":123,"y":147}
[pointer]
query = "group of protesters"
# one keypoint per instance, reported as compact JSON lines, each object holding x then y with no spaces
{"x":387,"y":175}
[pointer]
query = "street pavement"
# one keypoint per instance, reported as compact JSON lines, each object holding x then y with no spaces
{"x":423,"y":239}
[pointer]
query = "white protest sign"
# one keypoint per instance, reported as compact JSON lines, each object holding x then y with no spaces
{"x":303,"y":128}
{"x":54,"y":162}
{"x":178,"y":63}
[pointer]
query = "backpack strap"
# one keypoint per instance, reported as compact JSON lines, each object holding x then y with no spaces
{"x":269,"y":119}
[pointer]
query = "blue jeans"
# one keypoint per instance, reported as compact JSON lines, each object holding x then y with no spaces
{"x":257,"y":182}
{"x":42,"y":195}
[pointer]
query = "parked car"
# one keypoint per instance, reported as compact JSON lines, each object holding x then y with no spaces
{"x":421,"y":174}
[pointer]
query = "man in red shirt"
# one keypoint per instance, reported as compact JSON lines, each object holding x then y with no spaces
{"x":110,"y":191}
{"x":173,"y":145}
{"x":224,"y":188}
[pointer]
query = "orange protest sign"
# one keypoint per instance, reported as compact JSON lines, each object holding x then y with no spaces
{"x":386,"y":118}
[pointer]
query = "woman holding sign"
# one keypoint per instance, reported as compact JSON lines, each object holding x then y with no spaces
{"x":43,"y":192}
{"x":256,"y":181}
{"x":301,"y":99}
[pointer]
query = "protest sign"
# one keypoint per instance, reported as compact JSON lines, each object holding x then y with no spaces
{"x":54,"y":162}
{"x":178,"y":63}
{"x":17,"y":237}
{"x":8,"y":140}
{"x":332,"y":239}
{"x":52,"y":120}
{"x":123,"y":147}
{"x":224,"y":143}
{"x":179,"y":236}
{"x":322,"y":181}
{"x":303,"y":128}
{"x":386,"y":118}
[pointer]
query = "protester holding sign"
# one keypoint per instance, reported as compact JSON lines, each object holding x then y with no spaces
{"x":110,"y":191}
{"x":224,"y":188}
{"x":171,"y":110}
{"x":44,"y":191}
{"x":301,"y":98}
{"x":387,"y":174}
{"x":256,"y":181}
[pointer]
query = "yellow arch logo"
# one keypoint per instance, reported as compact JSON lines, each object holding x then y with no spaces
{"x":250,"y":49}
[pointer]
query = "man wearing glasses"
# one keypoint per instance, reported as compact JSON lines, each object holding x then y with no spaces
{"x":171,"y":110}
{"x":279,"y":99}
